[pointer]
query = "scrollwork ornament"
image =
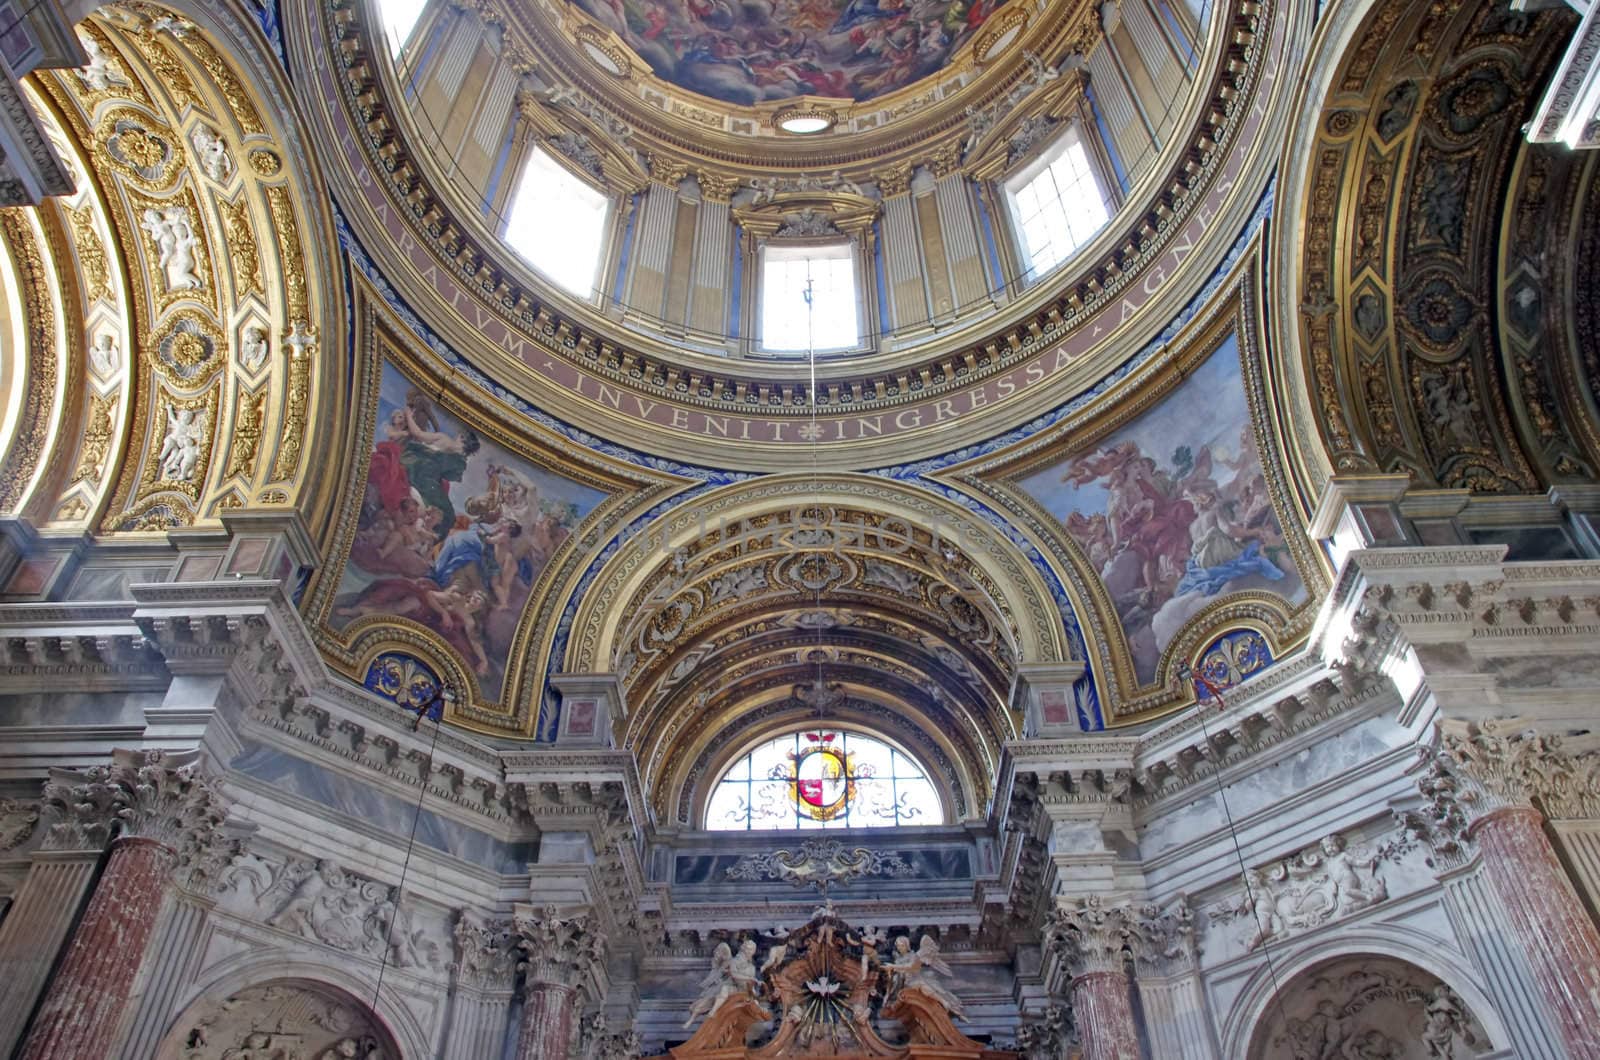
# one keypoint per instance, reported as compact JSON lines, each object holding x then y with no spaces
{"x":819,"y":863}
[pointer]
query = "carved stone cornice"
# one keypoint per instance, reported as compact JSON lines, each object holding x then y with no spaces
{"x":1090,"y":936}
{"x":141,"y":794}
{"x":558,"y":950}
{"x":1450,"y":594}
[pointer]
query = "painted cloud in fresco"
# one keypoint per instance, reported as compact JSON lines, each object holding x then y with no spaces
{"x":1173,"y":510}
{"x":453,"y":530}
{"x":746,"y":51}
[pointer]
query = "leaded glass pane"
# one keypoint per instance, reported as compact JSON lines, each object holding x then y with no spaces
{"x":823,"y":778}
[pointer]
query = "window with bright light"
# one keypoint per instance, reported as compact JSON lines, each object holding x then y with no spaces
{"x":399,"y":18}
{"x":825,"y":778}
{"x":827,"y":320}
{"x":558,"y":223}
{"x":1057,"y":204}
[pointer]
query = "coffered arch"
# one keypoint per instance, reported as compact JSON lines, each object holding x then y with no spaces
{"x":1430,"y":326}
{"x":768,"y":603}
{"x":184,"y":288}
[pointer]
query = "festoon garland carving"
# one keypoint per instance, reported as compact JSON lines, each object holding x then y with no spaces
{"x":558,"y":949}
{"x":141,"y":794}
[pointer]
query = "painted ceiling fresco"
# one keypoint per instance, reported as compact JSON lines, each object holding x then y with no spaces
{"x":1172,"y":511}
{"x":453,"y":530}
{"x":747,"y":51}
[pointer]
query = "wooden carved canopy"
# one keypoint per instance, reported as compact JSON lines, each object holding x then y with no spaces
{"x":816,"y":991}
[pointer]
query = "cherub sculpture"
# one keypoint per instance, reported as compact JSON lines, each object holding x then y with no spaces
{"x":923,"y":969}
{"x":730,"y":974}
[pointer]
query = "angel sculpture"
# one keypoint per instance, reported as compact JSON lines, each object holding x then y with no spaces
{"x":729,"y":975}
{"x":922,"y":970}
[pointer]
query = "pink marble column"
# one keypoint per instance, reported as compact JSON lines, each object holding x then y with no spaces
{"x":1091,"y":939}
{"x":561,"y":952}
{"x":91,"y":988}
{"x":549,"y":1011}
{"x":163,"y":813}
{"x":1102,"y":1008}
{"x":1561,"y":943}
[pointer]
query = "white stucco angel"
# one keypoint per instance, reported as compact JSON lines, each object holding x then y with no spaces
{"x":731,"y":973}
{"x":104,"y":355}
{"x":254,"y":348}
{"x":180,"y":449}
{"x":99,"y":74}
{"x":212,"y":152}
{"x":923,"y":969}
{"x":175,"y":244}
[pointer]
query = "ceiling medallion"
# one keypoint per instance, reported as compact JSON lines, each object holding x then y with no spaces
{"x":805,"y":119}
{"x":1004,"y":27}
{"x":604,"y":51}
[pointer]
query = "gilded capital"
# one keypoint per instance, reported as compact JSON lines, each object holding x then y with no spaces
{"x":717,"y":187}
{"x":558,"y":950}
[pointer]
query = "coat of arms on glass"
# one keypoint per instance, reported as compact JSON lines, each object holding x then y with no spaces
{"x":825,"y":778}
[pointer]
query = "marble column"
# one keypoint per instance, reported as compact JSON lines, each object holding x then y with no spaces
{"x":1487,"y":786}
{"x":560,"y":952}
{"x":1091,"y":938}
{"x":42,"y":911}
{"x":164,"y":813}
{"x":1562,"y":945}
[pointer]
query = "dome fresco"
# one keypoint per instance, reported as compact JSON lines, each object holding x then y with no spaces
{"x":1159,"y":620}
{"x":751,"y":51}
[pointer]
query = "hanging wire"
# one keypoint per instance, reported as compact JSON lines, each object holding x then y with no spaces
{"x":426,"y":710}
{"x":816,"y":476}
{"x":1187,"y":673}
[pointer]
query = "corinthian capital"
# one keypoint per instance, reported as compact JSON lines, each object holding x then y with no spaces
{"x":558,"y":949}
{"x":1091,"y":936}
{"x":1164,"y":943}
{"x":145,"y":794}
{"x":1512,"y":765}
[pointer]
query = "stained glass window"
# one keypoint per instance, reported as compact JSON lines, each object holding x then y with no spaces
{"x":823,"y":778}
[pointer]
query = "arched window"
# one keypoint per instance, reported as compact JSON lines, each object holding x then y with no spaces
{"x":823,"y":778}
{"x":558,"y":223}
{"x":399,"y":18}
{"x":1057,"y":203}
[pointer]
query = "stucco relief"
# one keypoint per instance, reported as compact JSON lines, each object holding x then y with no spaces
{"x":1325,"y":882}
{"x":283,"y":1020}
{"x":325,"y":903}
{"x":1369,"y":1008}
